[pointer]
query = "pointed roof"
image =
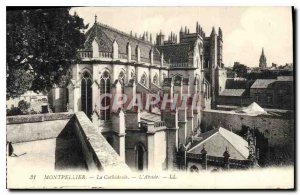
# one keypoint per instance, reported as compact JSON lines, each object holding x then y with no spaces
{"x":105,"y":36}
{"x":235,"y":144}
{"x":254,"y":108}
{"x":213,"y":32}
{"x":262,"y":56}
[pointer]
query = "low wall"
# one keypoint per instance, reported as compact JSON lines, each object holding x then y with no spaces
{"x":97,"y":152}
{"x":278,"y":130}
{"x":26,"y":128}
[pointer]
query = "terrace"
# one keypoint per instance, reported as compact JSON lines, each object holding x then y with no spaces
{"x":59,"y":141}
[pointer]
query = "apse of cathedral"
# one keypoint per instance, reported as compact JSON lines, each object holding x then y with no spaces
{"x":184,"y":64}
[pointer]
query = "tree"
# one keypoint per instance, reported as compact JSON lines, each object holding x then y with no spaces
{"x":41,"y":46}
{"x":239,"y":69}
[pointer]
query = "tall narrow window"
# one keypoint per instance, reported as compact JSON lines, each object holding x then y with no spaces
{"x":144,"y":80}
{"x":155,"y":79}
{"x":86,"y":94}
{"x":105,"y":91}
{"x":140,"y":156}
{"x":122,"y":80}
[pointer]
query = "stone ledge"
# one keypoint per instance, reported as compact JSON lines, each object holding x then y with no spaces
{"x":38,"y":118}
{"x":98,"y":145}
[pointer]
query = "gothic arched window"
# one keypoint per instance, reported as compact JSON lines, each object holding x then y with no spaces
{"x":194,"y":168}
{"x":143,"y":80}
{"x":105,"y":90}
{"x":122,"y":78}
{"x":140,"y":153}
{"x":155,"y":79}
{"x":86,"y":94}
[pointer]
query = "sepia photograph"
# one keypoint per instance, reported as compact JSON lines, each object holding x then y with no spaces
{"x":183,"y":97}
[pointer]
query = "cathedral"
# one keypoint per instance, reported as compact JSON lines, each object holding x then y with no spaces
{"x":262,"y":60}
{"x":114,"y":62}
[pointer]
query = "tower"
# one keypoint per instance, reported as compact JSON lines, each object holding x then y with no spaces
{"x":213,"y":65}
{"x":160,"y":39}
{"x":262,"y":60}
{"x":220,"y":48}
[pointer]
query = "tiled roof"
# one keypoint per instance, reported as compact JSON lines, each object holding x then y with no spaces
{"x":231,"y":140}
{"x":238,"y":83}
{"x":232,"y":92}
{"x":177,"y":53}
{"x":106,"y":36}
{"x":150,"y":117}
{"x":262,"y":83}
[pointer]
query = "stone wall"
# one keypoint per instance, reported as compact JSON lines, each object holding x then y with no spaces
{"x":98,"y":154}
{"x":26,"y":128}
{"x":278,"y":130}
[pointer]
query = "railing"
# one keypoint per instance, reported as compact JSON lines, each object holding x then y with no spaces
{"x":180,"y":65}
{"x":89,"y":54}
{"x":160,"y":124}
{"x":86,"y":54}
{"x":105,"y":54}
{"x":215,"y":160}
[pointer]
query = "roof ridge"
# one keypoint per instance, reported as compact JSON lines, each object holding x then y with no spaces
{"x":123,"y":33}
{"x":231,"y":143}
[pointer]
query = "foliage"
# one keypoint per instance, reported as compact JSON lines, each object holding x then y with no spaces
{"x":261,"y":143}
{"x":41,"y":46}
{"x":13,"y":111}
{"x":23,"y":105}
{"x":240,"y":69}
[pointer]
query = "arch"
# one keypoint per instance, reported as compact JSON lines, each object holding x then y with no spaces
{"x":122,"y":77}
{"x":86,"y":93}
{"x":140,"y":156}
{"x":194,"y":168}
{"x":144,"y":80}
{"x":105,"y":86}
{"x":155,"y":79}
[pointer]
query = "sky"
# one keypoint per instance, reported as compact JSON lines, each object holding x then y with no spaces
{"x":246,"y":30}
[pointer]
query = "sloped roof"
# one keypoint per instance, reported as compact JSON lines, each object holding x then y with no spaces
{"x":150,"y":117}
{"x":178,"y":53}
{"x":232,"y":92}
{"x":106,"y":35}
{"x":231,"y":140}
{"x":262,"y":83}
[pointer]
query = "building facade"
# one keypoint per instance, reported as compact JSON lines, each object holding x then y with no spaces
{"x":113,"y":62}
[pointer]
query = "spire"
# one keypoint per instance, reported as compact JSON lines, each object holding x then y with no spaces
{"x":262,"y":59}
{"x":220,"y":33}
{"x":181,"y":29}
{"x":213,"y":32}
{"x":197,"y":27}
{"x":95,"y":19}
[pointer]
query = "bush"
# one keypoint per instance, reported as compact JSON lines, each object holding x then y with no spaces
{"x":13,"y":111}
{"x":23,"y":105}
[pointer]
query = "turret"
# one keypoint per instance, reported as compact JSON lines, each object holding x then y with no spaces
{"x":220,"y":33}
{"x":160,"y":39}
